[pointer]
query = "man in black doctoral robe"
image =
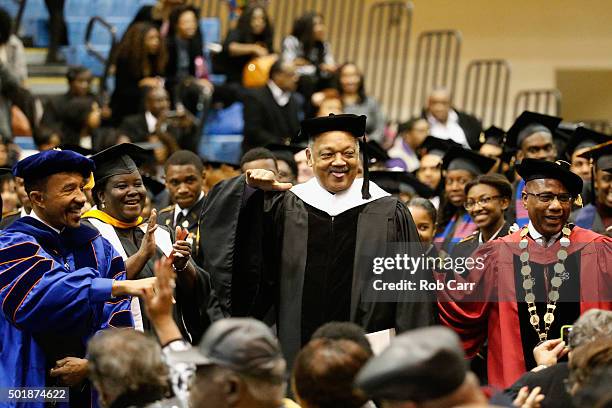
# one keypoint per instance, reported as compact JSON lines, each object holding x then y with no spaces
{"x":306,"y":249}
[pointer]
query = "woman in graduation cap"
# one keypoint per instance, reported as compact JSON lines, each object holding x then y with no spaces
{"x":454,"y":223}
{"x":307,"y":248}
{"x":119,"y":194}
{"x":531,"y":282}
{"x":597,"y":216}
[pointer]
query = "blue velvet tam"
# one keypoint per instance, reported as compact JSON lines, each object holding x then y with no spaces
{"x":51,"y":162}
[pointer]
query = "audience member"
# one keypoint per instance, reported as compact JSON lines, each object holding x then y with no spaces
{"x":324,"y":371}
{"x":344,"y":331}
{"x":139,"y":126}
{"x":47,"y":138}
{"x":58,"y":31}
{"x":307,"y":48}
{"x":285,"y":162}
{"x":305,"y":171}
{"x":9,"y":195}
{"x":271,"y":113}
{"x":12,"y":54}
{"x":588,"y":361}
{"x":134,"y":374}
{"x":595,"y":391}
{"x":445,"y":122}
{"x":327,"y":101}
{"x":215,"y":171}
{"x":252,"y":38}
{"x":140,"y":61}
{"x":9,"y":89}
{"x":350,"y":85}
{"x":157,"y":14}
{"x":424,"y":215}
{"x":80,"y":120}
{"x":259,"y":158}
{"x":22,"y":199}
{"x":410,"y":136}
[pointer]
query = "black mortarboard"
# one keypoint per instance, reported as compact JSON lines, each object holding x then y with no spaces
{"x":375,"y":152}
{"x":51,"y":162}
{"x":346,"y":122}
{"x":583,"y":138}
{"x":601,"y":155}
{"x":153,"y":186}
{"x":123,"y":158}
{"x":529,"y":123}
{"x":436,"y":146}
{"x":396,"y":182}
{"x":533,"y":169}
{"x":419,"y":365}
{"x":459,"y":158}
{"x":494,"y":136}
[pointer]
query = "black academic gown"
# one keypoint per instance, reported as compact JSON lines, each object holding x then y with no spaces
{"x":280,"y":251}
{"x":9,"y":218}
{"x":195,"y":309}
{"x":194,"y":216}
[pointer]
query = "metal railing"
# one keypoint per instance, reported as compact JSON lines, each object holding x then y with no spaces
{"x":545,"y":101}
{"x":19,"y":16}
{"x":602,"y":126}
{"x":385,"y":56}
{"x":106,"y":61}
{"x":485,"y":90}
{"x":436,"y":64}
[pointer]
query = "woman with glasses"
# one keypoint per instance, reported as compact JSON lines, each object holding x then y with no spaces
{"x":487,"y":199}
{"x":460,"y":166}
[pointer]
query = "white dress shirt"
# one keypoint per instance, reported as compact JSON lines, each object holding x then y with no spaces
{"x":540,"y":239}
{"x":449,"y":130}
{"x":36,"y":217}
{"x":281,"y":97}
{"x":151,"y":121}
{"x":185,"y":211}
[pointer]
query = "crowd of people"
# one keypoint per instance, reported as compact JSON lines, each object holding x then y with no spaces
{"x":137,"y":273}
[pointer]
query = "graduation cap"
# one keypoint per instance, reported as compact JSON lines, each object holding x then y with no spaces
{"x":436,"y":146}
{"x":459,"y":158}
{"x":419,"y":365}
{"x":534,"y":169}
{"x":124,"y":158}
{"x":152,"y":185}
{"x":529,"y":123}
{"x":396,"y":182}
{"x":355,"y":125}
{"x":583,"y":138}
{"x":375,"y":152}
{"x":494,"y":136}
{"x":51,"y":162}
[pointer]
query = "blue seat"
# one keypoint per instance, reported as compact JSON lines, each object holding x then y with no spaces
{"x":226,"y":148}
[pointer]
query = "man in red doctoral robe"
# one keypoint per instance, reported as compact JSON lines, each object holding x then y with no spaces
{"x":531,"y":282}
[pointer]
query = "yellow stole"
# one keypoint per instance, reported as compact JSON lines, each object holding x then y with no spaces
{"x":105,"y":218}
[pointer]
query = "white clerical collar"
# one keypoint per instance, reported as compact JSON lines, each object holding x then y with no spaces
{"x":480,"y":241}
{"x":539,"y":238}
{"x":151,"y":121}
{"x":313,"y":194}
{"x":185,"y":211}
{"x":36,"y":217}
{"x":281,"y":97}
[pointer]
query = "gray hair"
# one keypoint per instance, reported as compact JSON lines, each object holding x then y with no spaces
{"x":125,"y":360}
{"x":592,"y":325}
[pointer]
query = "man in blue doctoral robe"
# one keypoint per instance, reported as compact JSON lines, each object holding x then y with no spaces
{"x":60,"y":283}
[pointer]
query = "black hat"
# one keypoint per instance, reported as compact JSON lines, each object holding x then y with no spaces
{"x":419,"y":365}
{"x":601,"y":155}
{"x":529,"y":123}
{"x":50,"y":162}
{"x":396,"y":182}
{"x":533,"y":169}
{"x":494,"y":136}
{"x":346,"y":122}
{"x":375,"y":152}
{"x":153,"y":186}
{"x":436,"y":146}
{"x":123,"y":158}
{"x":459,"y":158}
{"x":583,"y":138}
{"x":241,"y":344}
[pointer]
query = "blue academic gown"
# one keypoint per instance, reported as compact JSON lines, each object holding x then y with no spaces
{"x":55,"y":293}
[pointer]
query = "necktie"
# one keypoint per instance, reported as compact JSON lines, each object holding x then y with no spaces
{"x":181,"y":220}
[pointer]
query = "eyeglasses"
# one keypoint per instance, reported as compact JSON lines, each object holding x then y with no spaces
{"x":549,"y":197}
{"x":481,"y":202}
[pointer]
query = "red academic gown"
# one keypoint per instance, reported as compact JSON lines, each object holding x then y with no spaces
{"x":495,"y":309}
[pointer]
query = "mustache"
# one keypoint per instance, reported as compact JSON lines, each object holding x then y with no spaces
{"x":343,"y":169}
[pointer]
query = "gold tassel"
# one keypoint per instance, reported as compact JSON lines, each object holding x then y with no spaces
{"x":90,"y":183}
{"x":578,"y":201}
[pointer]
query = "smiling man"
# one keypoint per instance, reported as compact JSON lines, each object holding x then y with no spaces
{"x":535,"y":280}
{"x":303,"y":247}
{"x":60,"y":281}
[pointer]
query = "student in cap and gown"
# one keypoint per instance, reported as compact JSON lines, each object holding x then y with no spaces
{"x":454,"y":223}
{"x":558,"y":272}
{"x":401,"y":184}
{"x":597,"y":216}
{"x":59,"y":281}
{"x":532,"y":134}
{"x":307,"y":243}
{"x":119,"y":195}
{"x":430,"y":166}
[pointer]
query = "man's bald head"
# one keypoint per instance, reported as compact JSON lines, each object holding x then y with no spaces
{"x":157,"y":101}
{"x":439,"y":104}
